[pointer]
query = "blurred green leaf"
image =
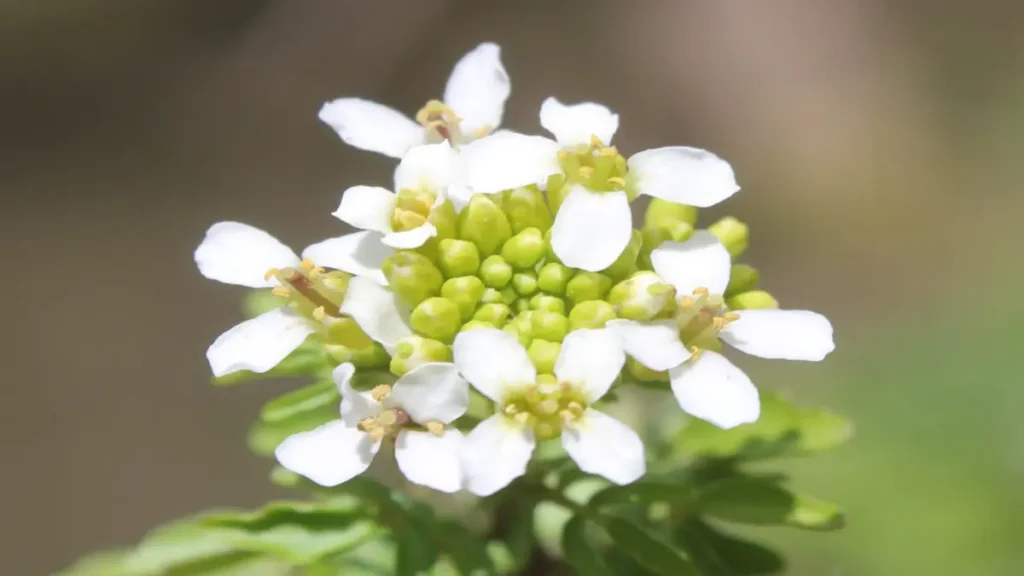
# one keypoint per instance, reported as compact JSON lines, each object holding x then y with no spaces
{"x":578,"y":551}
{"x":304,"y":399}
{"x":759,"y":501}
{"x":308,"y":359}
{"x":713,"y":552}
{"x":645,"y":549}
{"x":643,"y":491}
{"x":782,"y":430}
{"x":257,"y":302}
{"x":467,"y":550}
{"x":518,"y":531}
{"x":265,"y":436}
{"x":415,"y":553}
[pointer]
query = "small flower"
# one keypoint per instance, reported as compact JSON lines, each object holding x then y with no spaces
{"x":535,"y":407}
{"x":240,"y":254}
{"x":416,"y":412}
{"x":474,"y":102}
{"x":704,"y":382}
{"x":405,"y":219}
{"x":593,"y":224}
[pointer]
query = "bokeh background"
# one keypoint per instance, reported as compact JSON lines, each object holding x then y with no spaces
{"x":878,"y":142}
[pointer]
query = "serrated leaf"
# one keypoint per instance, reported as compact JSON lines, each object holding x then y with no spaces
{"x":264,"y":437}
{"x":257,"y":302}
{"x":763,"y":502}
{"x":578,"y":551}
{"x":312,"y":397}
{"x":713,"y":552}
{"x":308,"y":359}
{"x":648,"y":551}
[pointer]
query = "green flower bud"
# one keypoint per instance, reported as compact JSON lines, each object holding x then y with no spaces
{"x":552,"y":278}
{"x":465,"y":292}
{"x":753,"y":300}
{"x":495,"y":314}
{"x":495,"y":272}
{"x":742,"y":278}
{"x":525,"y":283}
{"x":412,"y":276}
{"x":413,"y":351}
{"x":368,"y":357}
{"x":509,"y":295}
{"x":437,"y":318}
{"x":483,"y":223}
{"x":641,"y":297}
{"x":548,"y":325}
{"x":643,"y":373}
{"x":458,"y":258}
{"x":492,"y":296}
{"x":550,"y":256}
{"x":654,"y":236}
{"x":546,"y":302}
{"x":521,"y":305}
{"x":445,"y":220}
{"x":520,"y":329}
{"x":543,"y":354}
{"x":590,"y":314}
{"x":664,"y":213}
{"x":526,"y":208}
{"x":346,"y":331}
{"x":525,"y":249}
{"x":477,"y":325}
{"x":625,"y":264}
{"x":556,"y":191}
{"x":735,"y":235}
{"x":587,"y":286}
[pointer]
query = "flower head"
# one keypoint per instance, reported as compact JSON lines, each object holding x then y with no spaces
{"x":415,"y":413}
{"x":473,"y":105}
{"x":534,"y":407}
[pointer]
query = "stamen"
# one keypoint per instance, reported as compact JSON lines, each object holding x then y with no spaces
{"x":576,"y":408}
{"x":510,"y":409}
{"x":319,"y":313}
{"x":377,"y":434}
{"x":282,"y":291}
{"x":701,"y":291}
{"x":687,"y":301}
{"x":731,"y":316}
{"x":617,"y":181}
{"x":696,"y":352}
{"x":548,"y":406}
{"x":307,"y":265}
{"x":586,"y":171}
{"x":270,"y":273}
{"x":380,"y":392}
{"x":563,"y":155}
{"x":303,"y":286}
{"x":436,"y":428}
{"x":608,"y":151}
{"x":367,"y":424}
{"x":596,"y":142}
{"x":387,"y":418}
{"x":522,"y":418}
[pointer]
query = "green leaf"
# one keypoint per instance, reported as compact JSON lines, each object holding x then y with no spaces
{"x":265,"y":436}
{"x":309,"y":358}
{"x":578,"y":551}
{"x":467,"y":550}
{"x":646,"y":550}
{"x":519,"y":534}
{"x":644,"y":491}
{"x":782,"y":430}
{"x":713,"y":552}
{"x":415,"y":553}
{"x":307,"y":398}
{"x":764,"y":502}
{"x":257,"y":302}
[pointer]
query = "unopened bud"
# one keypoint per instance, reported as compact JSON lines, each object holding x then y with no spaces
{"x":437,"y":318}
{"x":477,"y":325}
{"x":546,"y":302}
{"x":445,"y":220}
{"x":625,"y":264}
{"x":643,"y":373}
{"x":413,"y":351}
{"x":654,"y":236}
{"x":732,"y":233}
{"x":483,"y":223}
{"x":368,"y":357}
{"x":550,"y":256}
{"x":664,"y":213}
{"x":526,"y":208}
{"x":458,"y":258}
{"x":495,"y":272}
{"x":525,"y":283}
{"x":412,"y":276}
{"x":543,"y":354}
{"x":465,"y":292}
{"x":548,"y":325}
{"x":492,"y":296}
{"x":509,"y":295}
{"x":587,"y":286}
{"x":590,"y":314}
{"x":753,"y":300}
{"x":521,"y":305}
{"x":495,"y":314}
{"x":346,"y":331}
{"x":641,"y":297}
{"x":553,"y":277}
{"x":742,"y":278}
{"x":525,"y":249}
{"x":520,"y":329}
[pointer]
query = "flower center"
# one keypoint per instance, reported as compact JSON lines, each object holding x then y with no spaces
{"x":598,"y":167}
{"x":412,"y":209}
{"x":391,"y":420}
{"x":318,"y":295}
{"x":441,"y":123}
{"x":701,"y":316}
{"x":545,"y":406}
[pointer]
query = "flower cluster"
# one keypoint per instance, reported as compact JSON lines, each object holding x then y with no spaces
{"x":506,"y":267}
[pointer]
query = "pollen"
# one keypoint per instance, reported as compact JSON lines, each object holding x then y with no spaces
{"x":608,"y":151}
{"x":306,"y":265}
{"x":687,"y":301}
{"x":696,"y":352}
{"x":701,"y":291}
{"x":282,"y":291}
{"x":387,"y":418}
{"x":436,"y":428}
{"x":319,"y":313}
{"x":380,"y":392}
{"x":586,"y":171}
{"x":270,"y":273}
{"x":596,"y":142}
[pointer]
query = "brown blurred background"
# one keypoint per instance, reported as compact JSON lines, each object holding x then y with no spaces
{"x":878,"y":144}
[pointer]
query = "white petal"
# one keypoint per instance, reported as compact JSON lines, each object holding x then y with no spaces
{"x":236,"y":253}
{"x":700,"y":262}
{"x":492,"y":361}
{"x":259,"y":344}
{"x":329,"y":454}
{"x":478,"y":88}
{"x":506,"y":160}
{"x":359,"y":253}
{"x":356,"y":405}
{"x":495,"y":453}
{"x":574,"y":124}
{"x":372,"y":126}
{"x":432,"y":461}
{"x":410,"y":239}
{"x":713,"y":389}
{"x":367,"y":208}
{"x":427,"y":167}
{"x":591,"y":229}
{"x":600,"y":444}
{"x":590,"y":360}
{"x":432,"y":391}
{"x":684,"y":175}
{"x":655,"y":344}
{"x":377,"y":311}
{"x":782,"y":334}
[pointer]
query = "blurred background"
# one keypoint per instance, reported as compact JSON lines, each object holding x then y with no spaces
{"x":878,"y":144}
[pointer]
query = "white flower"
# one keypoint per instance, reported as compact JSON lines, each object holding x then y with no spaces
{"x":474,"y":102}
{"x":533,"y":407}
{"x":704,"y":382}
{"x":593,"y":224}
{"x":416,"y":412}
{"x":240,"y":254}
{"x":421,"y":181}
{"x":378,"y":312}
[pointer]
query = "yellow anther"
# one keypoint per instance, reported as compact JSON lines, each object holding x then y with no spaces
{"x":687,"y":301}
{"x":596,"y":142}
{"x":319,"y":313}
{"x":566,"y":386}
{"x":696,"y":352}
{"x":315,"y":272}
{"x":307,"y":265}
{"x":387,"y":418}
{"x":576,"y":408}
{"x":563,"y":154}
{"x":617,"y":181}
{"x":366,"y":424}
{"x":608,"y":151}
{"x":282,"y":291}
{"x":701,"y":291}
{"x":548,"y":406}
{"x":718,"y":322}
{"x":510,"y":409}
{"x":270,"y":273}
{"x":522,"y":418}
{"x":731,"y":316}
{"x":377,"y":434}
{"x":567,"y":415}
{"x":380,"y":392}
{"x":482,"y":131}
{"x":586,"y":171}
{"x":436,"y":428}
